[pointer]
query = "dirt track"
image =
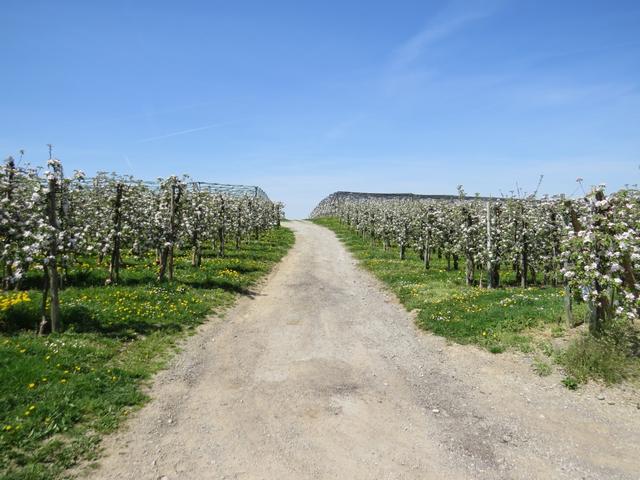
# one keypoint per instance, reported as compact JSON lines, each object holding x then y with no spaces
{"x":322,"y":375}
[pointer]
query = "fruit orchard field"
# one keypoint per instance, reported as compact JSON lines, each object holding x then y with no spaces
{"x":530,"y":320}
{"x":60,"y":392}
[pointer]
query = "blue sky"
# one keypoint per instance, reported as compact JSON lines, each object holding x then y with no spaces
{"x":305,"y":98}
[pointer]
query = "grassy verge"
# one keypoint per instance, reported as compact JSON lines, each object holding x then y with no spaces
{"x":60,"y":393}
{"x":611,"y":357}
{"x":529,"y":320}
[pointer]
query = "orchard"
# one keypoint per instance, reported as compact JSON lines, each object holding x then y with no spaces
{"x":588,"y":245}
{"x":49,"y":220}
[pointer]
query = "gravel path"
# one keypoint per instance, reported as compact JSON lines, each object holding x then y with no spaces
{"x":322,"y":375}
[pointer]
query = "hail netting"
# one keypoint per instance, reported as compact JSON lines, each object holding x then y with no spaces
{"x":589,"y":245}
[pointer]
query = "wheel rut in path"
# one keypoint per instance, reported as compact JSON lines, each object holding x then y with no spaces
{"x":322,"y":375}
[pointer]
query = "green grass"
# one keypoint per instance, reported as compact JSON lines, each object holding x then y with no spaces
{"x":542,"y":368}
{"x":611,"y":357}
{"x":509,"y":317}
{"x":60,"y":393}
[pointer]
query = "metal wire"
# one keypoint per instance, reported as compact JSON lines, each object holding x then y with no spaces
{"x":236,"y":190}
{"x":211,"y":187}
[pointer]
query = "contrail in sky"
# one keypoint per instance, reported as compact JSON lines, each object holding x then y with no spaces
{"x":182,"y":132}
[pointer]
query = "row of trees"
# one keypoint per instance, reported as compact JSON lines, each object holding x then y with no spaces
{"x":47,"y":220}
{"x":590,"y":245}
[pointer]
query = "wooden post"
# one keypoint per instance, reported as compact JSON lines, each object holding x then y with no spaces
{"x":524,"y":257}
{"x":489,"y":252}
{"x":11,"y":166}
{"x":52,"y":267}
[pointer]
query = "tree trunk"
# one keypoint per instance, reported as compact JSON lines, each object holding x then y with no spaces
{"x":170,"y":264}
{"x":599,"y":303}
{"x":195,"y":250}
{"x":43,"y":305}
{"x":196,"y":257}
{"x":221,"y":242}
{"x":166,"y":256}
{"x":568,"y":306}
{"x":494,"y":276}
{"x":469,"y":260}
{"x":470,"y":269}
{"x":493,"y":267}
{"x":598,"y":309}
{"x":114,"y":266}
{"x":427,"y":253}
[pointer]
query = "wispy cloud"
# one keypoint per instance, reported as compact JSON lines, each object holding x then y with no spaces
{"x":443,"y":25}
{"x":182,"y":132}
{"x":413,"y":48}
